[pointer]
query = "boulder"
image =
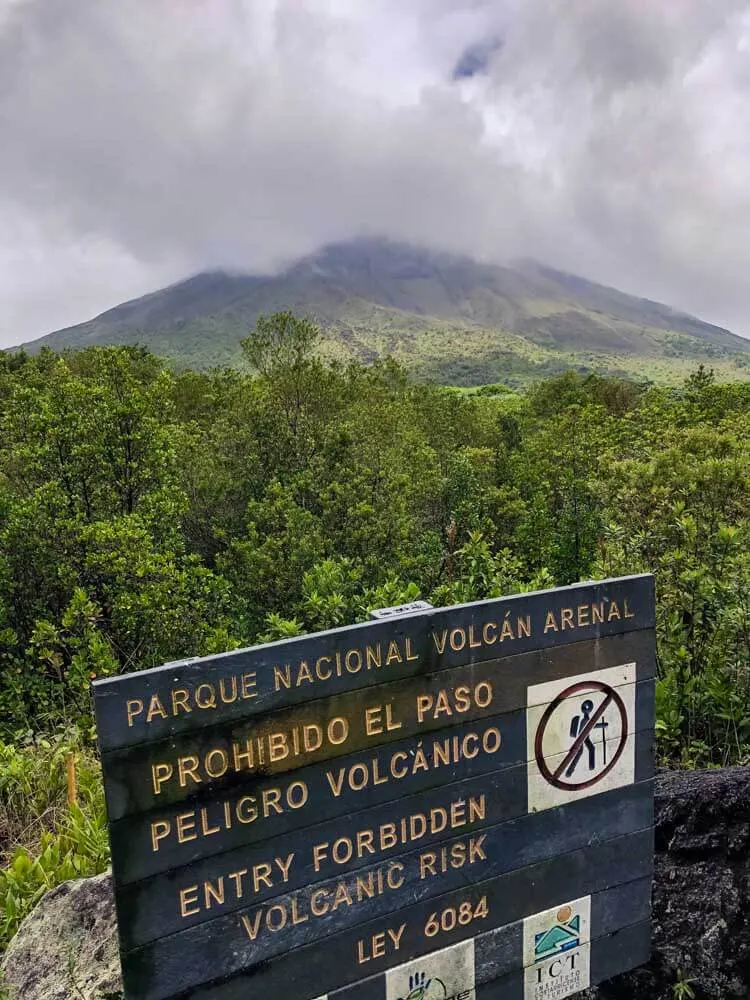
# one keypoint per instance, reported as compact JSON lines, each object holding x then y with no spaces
{"x":67,"y":948}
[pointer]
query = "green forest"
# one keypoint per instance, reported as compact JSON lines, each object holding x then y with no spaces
{"x":148,"y":515}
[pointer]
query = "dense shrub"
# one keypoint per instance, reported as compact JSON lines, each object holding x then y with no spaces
{"x":147,"y":515}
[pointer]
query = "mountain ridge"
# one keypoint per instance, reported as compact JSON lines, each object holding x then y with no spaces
{"x":431,"y":309}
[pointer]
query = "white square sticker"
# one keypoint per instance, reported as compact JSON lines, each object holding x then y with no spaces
{"x":580,"y":738}
{"x":443,"y":975}
{"x":557,"y":951}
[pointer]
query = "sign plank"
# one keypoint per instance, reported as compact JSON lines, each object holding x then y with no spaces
{"x":339,"y":807}
{"x":191,"y":694}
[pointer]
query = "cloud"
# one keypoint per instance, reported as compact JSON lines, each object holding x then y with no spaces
{"x":155,"y":138}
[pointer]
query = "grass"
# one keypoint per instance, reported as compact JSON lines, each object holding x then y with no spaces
{"x":44,"y":838}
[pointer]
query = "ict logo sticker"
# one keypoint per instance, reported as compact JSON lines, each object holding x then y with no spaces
{"x":557,"y":946}
{"x":564,"y":934}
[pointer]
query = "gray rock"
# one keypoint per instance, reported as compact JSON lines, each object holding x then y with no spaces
{"x":67,"y":948}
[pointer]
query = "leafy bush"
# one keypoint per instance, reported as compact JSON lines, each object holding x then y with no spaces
{"x":43,"y":840}
{"x":147,"y":515}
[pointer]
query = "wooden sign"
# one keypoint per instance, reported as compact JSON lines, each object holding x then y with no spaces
{"x":437,"y":804}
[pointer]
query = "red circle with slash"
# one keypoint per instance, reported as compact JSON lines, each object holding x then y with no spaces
{"x":611,"y":697}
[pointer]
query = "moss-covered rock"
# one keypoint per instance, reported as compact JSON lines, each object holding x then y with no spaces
{"x":66,"y":949}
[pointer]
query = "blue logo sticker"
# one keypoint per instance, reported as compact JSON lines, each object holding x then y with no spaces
{"x":562,"y":936}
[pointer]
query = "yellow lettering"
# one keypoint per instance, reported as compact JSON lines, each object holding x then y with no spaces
{"x":440,"y":642}
{"x":251,"y":926}
{"x":185,"y":821}
{"x":271,"y":924}
{"x":232,"y":687}
{"x":319,"y":671}
{"x":442,"y":707}
{"x":237,"y":879}
{"x":304,"y":673}
{"x":180,"y":701}
{"x":373,"y":721}
{"x":394,"y":653}
{"x":210,"y":893}
{"x":188,"y":896}
{"x":424,"y":703}
{"x":246,"y":755}
{"x":477,"y":808}
{"x":390,"y":724}
{"x":320,"y":853}
{"x":483,"y":694}
{"x":506,"y":632}
{"x":156,"y":708}
{"x":249,"y":683}
{"x":282,"y":677}
{"x":319,"y":909}
{"x":285,"y":865}
{"x":373,"y":657}
{"x":159,"y":830}
{"x":209,"y":699}
{"x":549,"y":623}
{"x":223,"y":763}
{"x":205,"y":828}
{"x":278,"y":748}
{"x":262,"y":873}
{"x":188,"y":767}
{"x":457,"y":639}
{"x":247,"y":811}
{"x":353,"y":661}
{"x":342,"y":896}
{"x":402,"y":756}
{"x":159,"y":774}
{"x":134,"y":707}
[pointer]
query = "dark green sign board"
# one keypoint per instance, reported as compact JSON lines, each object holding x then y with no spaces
{"x":438,"y":804}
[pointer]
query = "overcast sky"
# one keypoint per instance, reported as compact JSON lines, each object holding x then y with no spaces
{"x":144,"y":140}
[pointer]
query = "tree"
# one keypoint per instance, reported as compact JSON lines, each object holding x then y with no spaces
{"x":281,"y":342}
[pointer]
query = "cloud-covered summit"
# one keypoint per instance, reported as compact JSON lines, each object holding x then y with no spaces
{"x":147,"y":140}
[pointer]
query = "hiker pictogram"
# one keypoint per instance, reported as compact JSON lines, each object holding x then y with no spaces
{"x":595,"y":717}
{"x":577,"y":724}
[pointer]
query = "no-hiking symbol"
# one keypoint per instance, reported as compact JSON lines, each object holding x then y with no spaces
{"x":580,"y":736}
{"x":589,"y":706}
